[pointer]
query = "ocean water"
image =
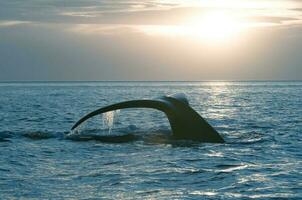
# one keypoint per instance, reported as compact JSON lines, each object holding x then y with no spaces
{"x":41,"y":159}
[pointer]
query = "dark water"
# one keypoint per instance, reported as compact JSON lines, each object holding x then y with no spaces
{"x":261,"y":122}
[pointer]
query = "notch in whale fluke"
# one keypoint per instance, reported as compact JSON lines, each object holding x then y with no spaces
{"x":185,"y":122}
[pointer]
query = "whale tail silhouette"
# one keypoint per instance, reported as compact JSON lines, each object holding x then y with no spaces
{"x":185,"y":122}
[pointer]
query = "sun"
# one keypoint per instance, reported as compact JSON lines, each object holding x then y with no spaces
{"x":210,"y":27}
{"x":214,"y":26}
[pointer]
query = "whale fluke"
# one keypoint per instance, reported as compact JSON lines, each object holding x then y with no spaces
{"x":185,"y":122}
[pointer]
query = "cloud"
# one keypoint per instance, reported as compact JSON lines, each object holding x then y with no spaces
{"x":104,"y":29}
{"x":43,"y":53}
{"x":103,"y":40}
{"x":119,"y":17}
{"x":139,"y":12}
{"x":7,"y":23}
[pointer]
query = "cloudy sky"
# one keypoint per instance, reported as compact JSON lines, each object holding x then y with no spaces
{"x":150,"y":40}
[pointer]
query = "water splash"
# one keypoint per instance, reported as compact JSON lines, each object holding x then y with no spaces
{"x":109,"y":118}
{"x":75,"y":131}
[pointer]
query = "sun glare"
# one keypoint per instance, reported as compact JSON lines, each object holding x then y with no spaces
{"x":214,"y":26}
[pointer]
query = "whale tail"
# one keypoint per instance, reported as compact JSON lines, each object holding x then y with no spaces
{"x":185,"y":122}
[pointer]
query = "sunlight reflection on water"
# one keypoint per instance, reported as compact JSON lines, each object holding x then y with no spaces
{"x":261,"y":122}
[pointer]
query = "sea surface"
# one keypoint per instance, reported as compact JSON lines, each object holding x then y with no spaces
{"x":42,"y":159}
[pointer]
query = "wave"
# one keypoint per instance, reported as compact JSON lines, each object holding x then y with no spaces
{"x":249,"y":138}
{"x":5,"y":135}
{"x":38,"y":135}
{"x":101,"y":138}
{"x":131,"y":134}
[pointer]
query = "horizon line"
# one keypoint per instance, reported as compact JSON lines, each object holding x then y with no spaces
{"x":214,"y":80}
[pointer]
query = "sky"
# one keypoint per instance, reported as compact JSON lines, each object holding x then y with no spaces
{"x":171,"y":40}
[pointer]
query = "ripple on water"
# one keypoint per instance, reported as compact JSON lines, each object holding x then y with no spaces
{"x":260,"y":121}
{"x":5,"y":135}
{"x":39,"y":135}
